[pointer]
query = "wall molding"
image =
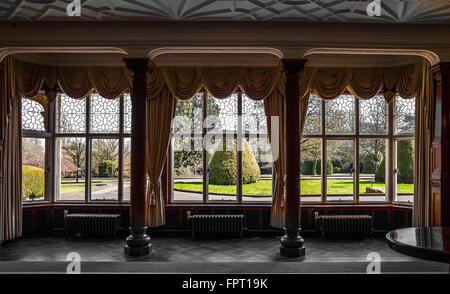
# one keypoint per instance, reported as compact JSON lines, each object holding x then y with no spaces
{"x":432,"y":57}
{"x":90,"y":50}
{"x":215,"y":50}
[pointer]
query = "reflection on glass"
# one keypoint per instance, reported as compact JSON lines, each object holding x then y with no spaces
{"x":70,"y":114}
{"x":105,"y":169}
{"x":187,"y":169}
{"x":311,"y":170}
{"x":404,"y":171}
{"x":372,"y":170}
{"x":126,"y":168}
{"x":339,"y":170}
{"x":70,"y":168}
{"x":33,"y":169}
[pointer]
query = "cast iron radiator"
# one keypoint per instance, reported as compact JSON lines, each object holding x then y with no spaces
{"x":91,"y":224}
{"x":344,"y":224}
{"x":216,"y":223}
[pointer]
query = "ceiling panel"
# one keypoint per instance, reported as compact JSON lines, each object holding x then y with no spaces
{"x":393,"y":11}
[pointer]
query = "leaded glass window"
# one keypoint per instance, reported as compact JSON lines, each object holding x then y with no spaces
{"x":340,"y":115}
{"x":32,"y":115}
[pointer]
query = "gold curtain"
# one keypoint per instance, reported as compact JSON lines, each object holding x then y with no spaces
{"x":184,"y":83}
{"x":273,"y":106}
{"x":77,"y":82}
{"x":161,"y":110}
{"x":10,"y":157}
{"x":422,"y":199}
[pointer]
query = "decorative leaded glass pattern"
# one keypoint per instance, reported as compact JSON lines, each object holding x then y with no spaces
{"x":127,"y":113}
{"x":104,"y":114}
{"x":189,"y":116}
{"x":32,"y":116}
{"x":222,"y":114}
{"x":373,"y":119}
{"x":405,"y":110}
{"x":313,"y":116}
{"x":254,"y":119}
{"x":340,"y":115}
{"x":71,"y":114}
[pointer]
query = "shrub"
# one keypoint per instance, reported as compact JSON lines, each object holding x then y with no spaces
{"x":381,"y":171}
{"x":223,"y":166}
{"x":107,"y":168}
{"x":266,"y":169}
{"x":306,"y":167}
{"x":329,"y":167}
{"x":33,"y":182}
{"x":405,"y":162}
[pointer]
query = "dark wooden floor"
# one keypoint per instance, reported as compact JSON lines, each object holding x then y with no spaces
{"x":181,"y":254}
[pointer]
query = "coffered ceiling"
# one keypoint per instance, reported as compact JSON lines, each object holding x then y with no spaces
{"x":392,"y":11}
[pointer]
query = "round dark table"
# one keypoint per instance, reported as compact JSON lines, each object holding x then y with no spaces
{"x":432,"y":243}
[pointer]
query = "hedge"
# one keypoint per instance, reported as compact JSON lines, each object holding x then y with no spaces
{"x":380,"y":174}
{"x":33,"y":182}
{"x":405,"y":162}
{"x":307,"y":167}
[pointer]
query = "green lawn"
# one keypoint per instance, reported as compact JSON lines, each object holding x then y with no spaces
{"x":308,"y":187}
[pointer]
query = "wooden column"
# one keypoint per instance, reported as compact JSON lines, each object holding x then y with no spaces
{"x":292,"y":242}
{"x":440,"y":166}
{"x":138,"y":243}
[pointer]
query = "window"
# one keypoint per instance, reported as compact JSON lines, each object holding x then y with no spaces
{"x":220,"y":150}
{"x":35,"y":163}
{"x":404,"y":127}
{"x":92,"y":148}
{"x":351,"y":141}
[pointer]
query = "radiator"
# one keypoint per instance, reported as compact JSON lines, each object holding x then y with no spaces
{"x":217,"y":223}
{"x":344,"y":224}
{"x":90,"y":224}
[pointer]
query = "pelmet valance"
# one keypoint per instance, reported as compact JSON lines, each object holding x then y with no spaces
{"x":364,"y":83}
{"x":77,"y":82}
{"x":184,"y":83}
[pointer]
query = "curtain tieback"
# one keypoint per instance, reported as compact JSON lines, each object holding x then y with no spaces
{"x":152,"y":194}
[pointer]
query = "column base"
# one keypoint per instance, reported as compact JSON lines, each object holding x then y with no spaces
{"x":138,"y":243}
{"x":292,"y":252}
{"x":138,"y":251}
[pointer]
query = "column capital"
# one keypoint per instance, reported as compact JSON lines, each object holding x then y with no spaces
{"x":137,"y":65}
{"x":293,"y":67}
{"x":440,"y":68}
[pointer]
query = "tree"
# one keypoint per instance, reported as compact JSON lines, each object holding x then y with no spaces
{"x":104,"y":150}
{"x":405,"y":162}
{"x":311,"y":150}
{"x":33,"y":152}
{"x":74,"y":151}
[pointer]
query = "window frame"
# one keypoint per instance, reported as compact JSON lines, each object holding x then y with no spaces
{"x":47,"y":136}
{"x":239,"y":133}
{"x":391,"y":139}
{"x":89,"y":136}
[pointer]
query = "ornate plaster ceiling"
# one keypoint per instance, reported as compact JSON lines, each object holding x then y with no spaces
{"x":392,"y":11}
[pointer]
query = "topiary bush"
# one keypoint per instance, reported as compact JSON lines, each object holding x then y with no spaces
{"x":405,"y":162}
{"x":306,"y":167}
{"x":381,"y":171}
{"x":223,"y":166}
{"x":107,"y":168}
{"x":319,"y":164}
{"x":33,"y":182}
